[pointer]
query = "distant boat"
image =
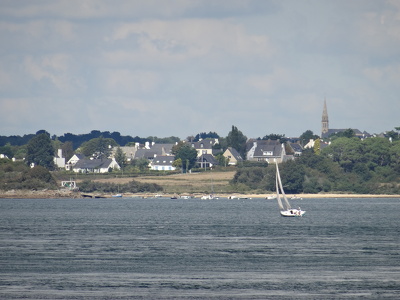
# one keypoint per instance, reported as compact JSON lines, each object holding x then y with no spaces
{"x":286,"y":209}
{"x":117,"y":196}
{"x":207,"y":197}
{"x":296,"y":198}
{"x":272,"y":197}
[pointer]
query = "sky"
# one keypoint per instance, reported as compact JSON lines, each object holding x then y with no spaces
{"x":181,"y":67}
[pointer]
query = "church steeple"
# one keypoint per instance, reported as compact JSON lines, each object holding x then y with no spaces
{"x":325,"y":120}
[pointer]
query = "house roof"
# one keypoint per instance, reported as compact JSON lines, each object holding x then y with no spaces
{"x":207,"y":158}
{"x":235,"y":153}
{"x":129,"y":151}
{"x":296,"y":147}
{"x":145,"y":153}
{"x":271,"y":146}
{"x":93,"y":163}
{"x":155,"y":150}
{"x":162,"y":149}
{"x":357,"y":132}
{"x":204,"y":144}
{"x":163,"y":160}
{"x":77,"y":155}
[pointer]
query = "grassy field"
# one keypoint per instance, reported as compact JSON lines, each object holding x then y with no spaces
{"x":194,"y":183}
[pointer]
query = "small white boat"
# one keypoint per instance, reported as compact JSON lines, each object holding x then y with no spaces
{"x":207,"y":197}
{"x":272,"y":197}
{"x":286,"y":209}
{"x":296,"y":198}
{"x":117,"y":196}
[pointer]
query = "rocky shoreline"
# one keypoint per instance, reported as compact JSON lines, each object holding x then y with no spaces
{"x":65,"y":193}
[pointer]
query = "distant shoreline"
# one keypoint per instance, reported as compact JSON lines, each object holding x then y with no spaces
{"x":59,"y":194}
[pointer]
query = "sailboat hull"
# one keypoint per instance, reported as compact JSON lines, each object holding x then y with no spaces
{"x":292,"y":213}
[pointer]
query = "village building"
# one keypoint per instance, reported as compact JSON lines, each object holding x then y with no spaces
{"x":206,"y":161}
{"x":95,"y":165}
{"x":266,"y":150}
{"x":233,"y":157}
{"x":163,"y":163}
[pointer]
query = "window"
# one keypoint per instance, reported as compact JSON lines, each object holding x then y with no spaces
{"x":268,"y":153}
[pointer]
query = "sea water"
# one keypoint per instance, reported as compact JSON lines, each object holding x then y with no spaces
{"x":195,"y":249}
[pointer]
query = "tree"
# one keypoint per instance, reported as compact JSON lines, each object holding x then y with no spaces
{"x":275,"y":137}
{"x":142,"y":164}
{"x":120,"y":158}
{"x":187,"y":154}
{"x":203,"y":135}
{"x":307,"y":136}
{"x":98,"y":147}
{"x":317,"y":147}
{"x":68,"y":150}
{"x":346,"y":151}
{"x":292,"y":174}
{"x":237,"y":140}
{"x":7,"y":150}
{"x":40,"y":151}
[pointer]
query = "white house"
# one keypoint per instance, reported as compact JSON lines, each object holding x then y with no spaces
{"x":163,"y":163}
{"x":95,"y":165}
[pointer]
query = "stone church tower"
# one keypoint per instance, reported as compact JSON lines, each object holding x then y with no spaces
{"x":325,"y":121}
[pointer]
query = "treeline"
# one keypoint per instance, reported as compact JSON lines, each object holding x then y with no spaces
{"x":370,"y":166}
{"x":78,"y":139}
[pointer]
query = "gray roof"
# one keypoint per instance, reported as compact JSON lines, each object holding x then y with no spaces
{"x":263,"y":146}
{"x":357,"y":132}
{"x":162,"y":149}
{"x":93,"y":163}
{"x":296,"y":147}
{"x":203,"y":144}
{"x":235,"y":153}
{"x":163,"y":160}
{"x":207,"y":158}
{"x":155,"y":150}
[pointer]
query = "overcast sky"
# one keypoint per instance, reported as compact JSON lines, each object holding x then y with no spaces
{"x":179,"y":67}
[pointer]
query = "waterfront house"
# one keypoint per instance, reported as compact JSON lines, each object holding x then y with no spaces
{"x":95,"y":165}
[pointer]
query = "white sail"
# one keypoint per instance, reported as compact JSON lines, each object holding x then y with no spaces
{"x":286,"y":205}
{"x":278,"y":196}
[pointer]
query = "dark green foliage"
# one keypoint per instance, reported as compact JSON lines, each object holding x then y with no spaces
{"x":203,"y":135}
{"x":41,"y":173}
{"x":98,"y":147}
{"x":307,"y":136}
{"x":187,"y":155}
{"x":67,"y":150}
{"x":78,"y":139}
{"x":237,"y":140}
{"x":292,"y":175}
{"x":17,"y":175}
{"x":7,"y":150}
{"x":133,"y":186}
{"x":120,"y":158}
{"x":166,"y":140}
{"x":347,"y":165}
{"x":40,"y":151}
{"x":275,"y":137}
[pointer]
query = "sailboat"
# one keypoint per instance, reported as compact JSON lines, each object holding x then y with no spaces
{"x":286,"y":209}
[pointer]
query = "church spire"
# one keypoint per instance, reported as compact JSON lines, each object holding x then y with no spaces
{"x":325,"y":120}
